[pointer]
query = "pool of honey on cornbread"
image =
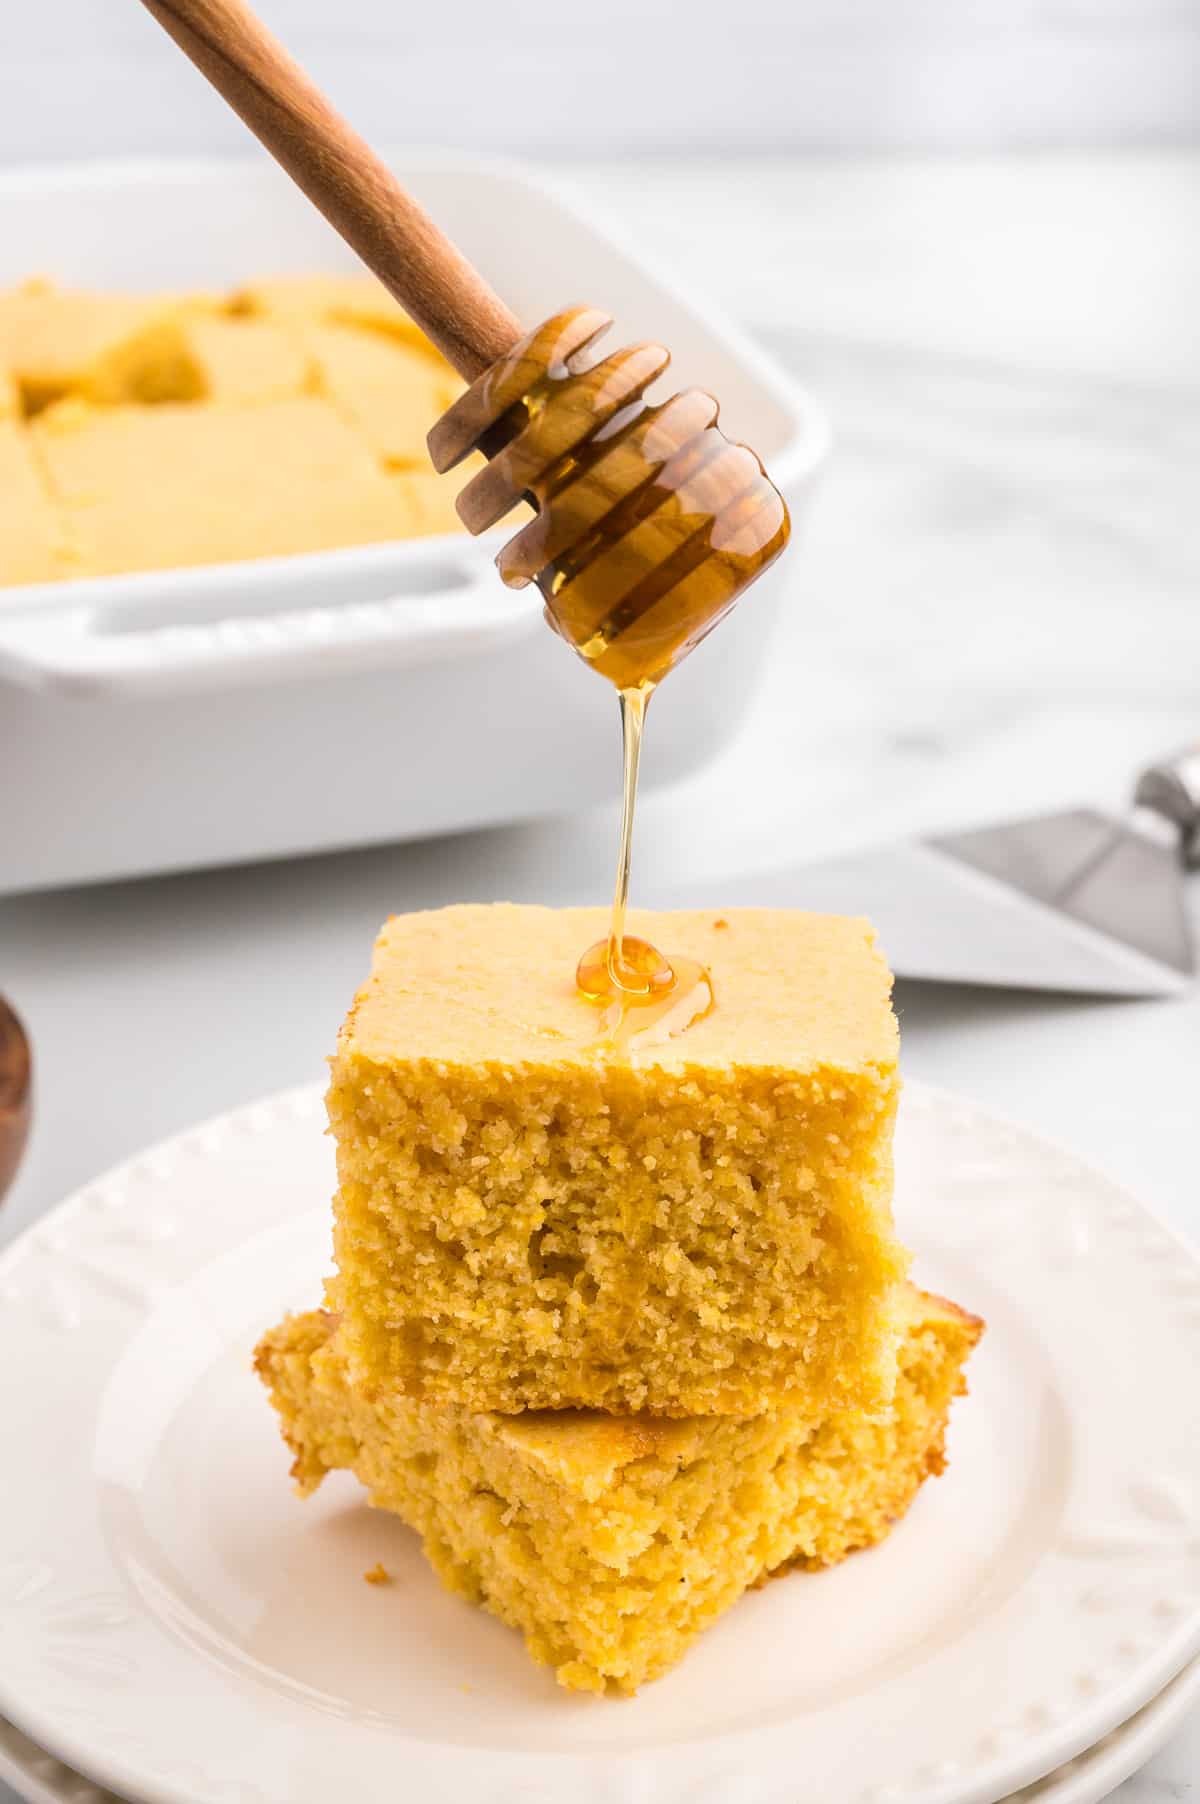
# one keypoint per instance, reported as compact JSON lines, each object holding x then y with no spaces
{"x":529,"y":1217}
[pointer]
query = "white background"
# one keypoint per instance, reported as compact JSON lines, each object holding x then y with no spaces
{"x":566,"y":81}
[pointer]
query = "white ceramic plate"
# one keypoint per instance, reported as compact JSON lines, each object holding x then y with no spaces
{"x":1097,"y":1773}
{"x":41,"y":1779}
{"x":175,"y":1624}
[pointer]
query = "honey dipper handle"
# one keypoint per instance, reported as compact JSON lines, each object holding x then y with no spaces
{"x":342,"y":176}
{"x":16,"y":1080}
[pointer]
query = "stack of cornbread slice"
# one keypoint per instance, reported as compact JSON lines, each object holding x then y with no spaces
{"x":621,"y":1334}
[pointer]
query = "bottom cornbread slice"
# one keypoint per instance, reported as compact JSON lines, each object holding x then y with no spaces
{"x":612,"y":1541}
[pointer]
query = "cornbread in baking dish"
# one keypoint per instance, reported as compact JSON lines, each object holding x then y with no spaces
{"x":427,"y":501}
{"x":201,"y":357}
{"x":124,"y":406}
{"x":50,"y":337}
{"x":349,"y":297}
{"x":144,"y":488}
{"x":33,"y":546}
{"x":529,"y":1218}
{"x":612,"y":1542}
{"x":390,"y":392}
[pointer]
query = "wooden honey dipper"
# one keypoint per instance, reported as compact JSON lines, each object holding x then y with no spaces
{"x":649,"y":522}
{"x":16,"y":1092}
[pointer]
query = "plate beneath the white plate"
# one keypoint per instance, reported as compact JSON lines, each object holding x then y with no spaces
{"x":174,"y":1623}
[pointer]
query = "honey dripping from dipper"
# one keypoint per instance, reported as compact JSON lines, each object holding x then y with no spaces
{"x":649,"y":525}
{"x":645,"y":995}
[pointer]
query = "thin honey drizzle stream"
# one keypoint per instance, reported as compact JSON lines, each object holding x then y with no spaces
{"x":646,"y":997}
{"x":648,"y":525}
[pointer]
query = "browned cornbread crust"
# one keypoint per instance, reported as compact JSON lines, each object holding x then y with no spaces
{"x":612,"y":1542}
{"x":528,"y":1218}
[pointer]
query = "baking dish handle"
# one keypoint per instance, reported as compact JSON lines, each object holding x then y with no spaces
{"x":178,"y":643}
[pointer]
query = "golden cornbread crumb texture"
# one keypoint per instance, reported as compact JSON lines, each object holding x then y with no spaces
{"x":612,"y":1543}
{"x":526,"y":1219}
{"x":153,"y":487}
{"x":33,"y":541}
{"x":378,"y":1574}
{"x":144,"y":461}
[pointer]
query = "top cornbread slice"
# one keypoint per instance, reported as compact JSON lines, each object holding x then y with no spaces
{"x":529,"y":1217}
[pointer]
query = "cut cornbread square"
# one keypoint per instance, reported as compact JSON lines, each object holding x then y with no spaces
{"x":51,"y":337}
{"x":353,"y":298}
{"x":33,"y":543}
{"x":612,"y":1542}
{"x":154,"y":487}
{"x":199,"y":357}
{"x":427,"y":500}
{"x":390,"y":392}
{"x":531,"y":1217}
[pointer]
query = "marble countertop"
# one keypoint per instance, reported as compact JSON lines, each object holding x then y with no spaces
{"x":994,"y":610}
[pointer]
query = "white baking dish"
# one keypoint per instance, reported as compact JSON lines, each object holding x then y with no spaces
{"x":200,"y":717}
